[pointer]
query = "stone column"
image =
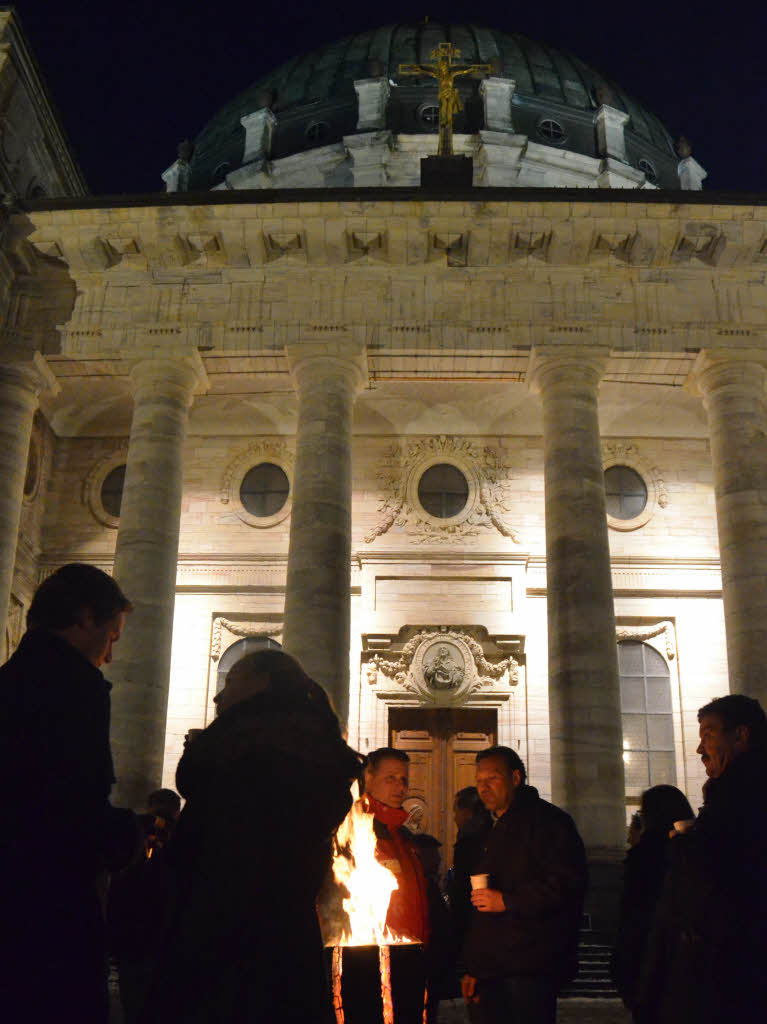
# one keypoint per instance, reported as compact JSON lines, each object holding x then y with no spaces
{"x":733,"y":391}
{"x":20,"y":384}
{"x":145,"y":566}
{"x":317,"y":596}
{"x":584,"y":689}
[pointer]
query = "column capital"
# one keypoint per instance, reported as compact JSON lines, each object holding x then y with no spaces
{"x":30,"y":372}
{"x":345,"y":359}
{"x":557,"y":365}
{"x":744,"y":370}
{"x":184,"y":373}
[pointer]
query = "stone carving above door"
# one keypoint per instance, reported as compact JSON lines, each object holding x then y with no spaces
{"x":444,"y":667}
{"x":647,"y":632}
{"x":225,"y":632}
{"x":489,"y":499}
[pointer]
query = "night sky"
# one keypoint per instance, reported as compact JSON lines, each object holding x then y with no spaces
{"x":132,"y":79}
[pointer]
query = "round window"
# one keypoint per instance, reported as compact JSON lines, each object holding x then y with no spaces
{"x":429,"y":114}
{"x":443,"y":491}
{"x":112,"y":491}
{"x":317,"y":132}
{"x":264,"y":490}
{"x":551,"y":130}
{"x":648,"y":170}
{"x":221,"y":172}
{"x":626,"y":492}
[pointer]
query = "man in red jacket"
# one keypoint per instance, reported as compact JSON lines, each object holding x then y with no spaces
{"x":386,"y":784}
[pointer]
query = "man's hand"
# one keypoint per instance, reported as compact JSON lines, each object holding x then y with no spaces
{"x":469,"y":989}
{"x":488,"y":900}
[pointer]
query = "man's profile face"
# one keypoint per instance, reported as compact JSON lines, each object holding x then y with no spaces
{"x":96,"y":640}
{"x":389,"y":782}
{"x":461,"y":815}
{"x":496,"y":785}
{"x":719,"y":746}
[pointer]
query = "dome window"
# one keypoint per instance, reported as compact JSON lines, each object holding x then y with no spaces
{"x":552,"y":131}
{"x":648,"y":170}
{"x":317,"y":132}
{"x":221,"y":172}
{"x":443,"y":491}
{"x":429,"y":114}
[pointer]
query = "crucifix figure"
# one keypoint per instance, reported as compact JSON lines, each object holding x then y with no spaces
{"x":446,"y":72}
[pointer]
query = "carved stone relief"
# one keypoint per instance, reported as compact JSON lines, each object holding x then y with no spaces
{"x":641,"y":633}
{"x":487,"y":507}
{"x":443,"y":666}
{"x":225,"y":632}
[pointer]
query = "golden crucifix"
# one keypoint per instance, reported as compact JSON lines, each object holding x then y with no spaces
{"x":446,"y":72}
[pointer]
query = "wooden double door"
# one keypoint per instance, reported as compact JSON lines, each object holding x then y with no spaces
{"x":442,"y":744}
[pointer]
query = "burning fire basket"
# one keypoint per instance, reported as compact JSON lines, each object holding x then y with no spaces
{"x":374,"y":972}
{"x":369,"y":982}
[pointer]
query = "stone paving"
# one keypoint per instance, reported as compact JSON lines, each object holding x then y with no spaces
{"x":569,"y":1011}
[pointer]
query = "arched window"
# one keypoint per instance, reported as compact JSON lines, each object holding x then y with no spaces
{"x":648,"y":726}
{"x":238,"y":650}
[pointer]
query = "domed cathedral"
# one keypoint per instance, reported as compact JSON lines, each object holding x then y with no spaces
{"x":486,"y":453}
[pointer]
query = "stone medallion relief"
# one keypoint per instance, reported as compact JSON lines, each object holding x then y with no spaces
{"x":443,"y":667}
{"x":488,"y":505}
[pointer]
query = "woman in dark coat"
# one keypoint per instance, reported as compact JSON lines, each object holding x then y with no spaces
{"x":645,"y":869}
{"x":266,"y":785}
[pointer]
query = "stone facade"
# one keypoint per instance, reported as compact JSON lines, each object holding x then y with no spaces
{"x":35,"y":158}
{"x":433,"y":326}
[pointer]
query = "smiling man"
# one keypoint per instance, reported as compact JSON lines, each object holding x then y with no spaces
{"x":522,"y":941}
{"x":707,"y":953}
{"x":59,"y":830}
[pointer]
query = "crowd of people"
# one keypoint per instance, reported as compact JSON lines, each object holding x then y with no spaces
{"x":214,"y":912}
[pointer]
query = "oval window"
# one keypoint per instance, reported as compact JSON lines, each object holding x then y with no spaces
{"x":443,"y":491}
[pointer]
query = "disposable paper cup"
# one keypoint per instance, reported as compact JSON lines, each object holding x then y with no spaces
{"x":684,"y":825}
{"x":480,"y":881}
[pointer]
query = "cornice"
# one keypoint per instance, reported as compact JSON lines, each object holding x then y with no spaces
{"x":482,"y":234}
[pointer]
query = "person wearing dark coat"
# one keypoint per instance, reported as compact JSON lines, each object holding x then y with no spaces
{"x":522,"y":943}
{"x":473,"y":822}
{"x":59,"y":831}
{"x":266,"y":785}
{"x":706,"y":955}
{"x":644,"y":870}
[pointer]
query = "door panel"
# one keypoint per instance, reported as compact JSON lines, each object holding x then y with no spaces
{"x":442,"y":744}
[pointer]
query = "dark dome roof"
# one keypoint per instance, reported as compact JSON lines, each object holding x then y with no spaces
{"x":324,"y":79}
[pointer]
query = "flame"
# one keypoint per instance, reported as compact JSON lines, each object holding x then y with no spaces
{"x":369,"y":883}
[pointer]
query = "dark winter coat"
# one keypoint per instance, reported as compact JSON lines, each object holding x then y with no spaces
{"x":644,"y":870}
{"x":59,"y":830}
{"x":467,"y":851}
{"x":535,"y":857}
{"x":708,"y":945}
{"x":266,"y":784}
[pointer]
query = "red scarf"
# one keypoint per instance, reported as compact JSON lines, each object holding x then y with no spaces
{"x":408,"y":908}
